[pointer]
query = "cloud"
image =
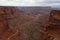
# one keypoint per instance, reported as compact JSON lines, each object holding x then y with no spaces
{"x":29,"y":2}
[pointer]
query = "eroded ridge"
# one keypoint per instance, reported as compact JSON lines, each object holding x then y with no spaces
{"x":52,"y":26}
{"x":6,"y":32}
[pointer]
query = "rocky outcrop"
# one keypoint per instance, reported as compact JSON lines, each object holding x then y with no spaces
{"x":6,"y":31}
{"x":53,"y":26}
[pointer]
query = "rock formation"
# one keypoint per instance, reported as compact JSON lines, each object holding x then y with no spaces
{"x":52,"y":27}
{"x":6,"y":31}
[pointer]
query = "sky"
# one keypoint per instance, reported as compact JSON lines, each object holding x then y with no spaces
{"x":29,"y":2}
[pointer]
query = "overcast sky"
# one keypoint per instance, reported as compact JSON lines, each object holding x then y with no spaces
{"x":30,"y":2}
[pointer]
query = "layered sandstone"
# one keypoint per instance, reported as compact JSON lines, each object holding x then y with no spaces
{"x":53,"y":26}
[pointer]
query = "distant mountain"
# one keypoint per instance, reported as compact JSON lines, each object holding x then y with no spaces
{"x":35,"y":10}
{"x":56,"y":7}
